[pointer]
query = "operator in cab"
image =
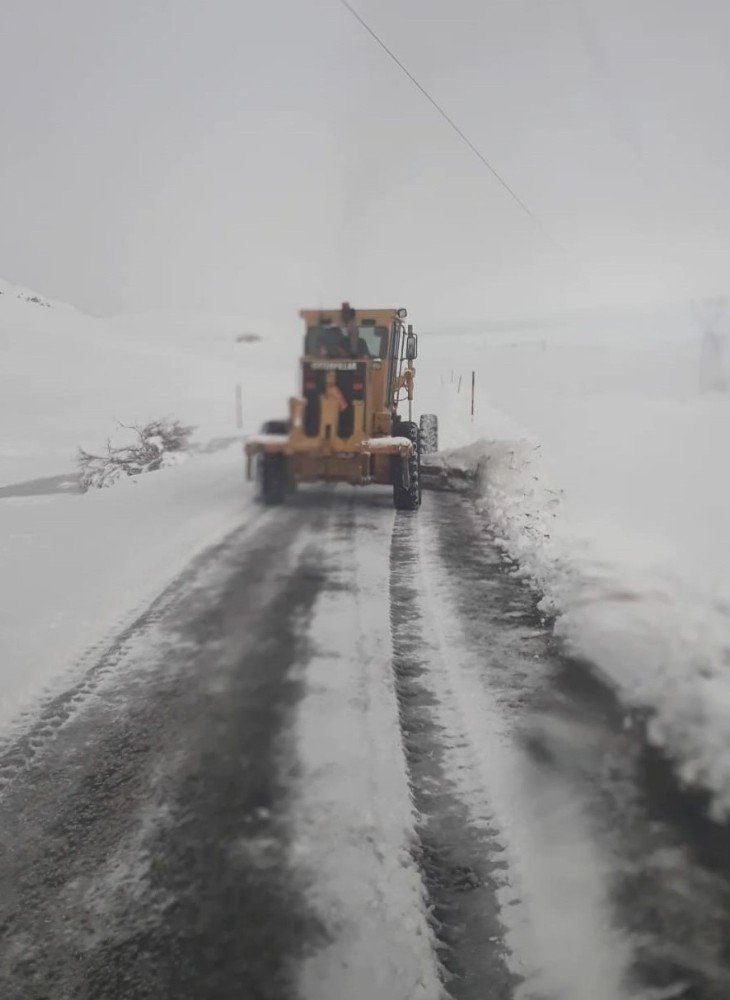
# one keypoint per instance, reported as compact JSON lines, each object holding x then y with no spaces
{"x":348,"y":321}
{"x":344,"y":340}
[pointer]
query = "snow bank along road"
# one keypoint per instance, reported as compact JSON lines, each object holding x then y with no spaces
{"x":341,"y":758}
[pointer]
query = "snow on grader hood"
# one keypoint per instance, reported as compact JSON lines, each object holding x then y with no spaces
{"x":356,"y":369}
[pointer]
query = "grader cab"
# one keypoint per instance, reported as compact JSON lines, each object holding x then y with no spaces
{"x":356,"y":369}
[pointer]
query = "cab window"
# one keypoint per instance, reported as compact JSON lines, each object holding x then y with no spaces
{"x":334,"y":342}
{"x":372,"y":342}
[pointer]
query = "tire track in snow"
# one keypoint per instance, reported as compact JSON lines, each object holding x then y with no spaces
{"x":596,"y":838}
{"x":19,"y":750}
{"x":459,"y":852}
{"x":145,"y":851}
{"x":518,"y":884}
{"x":352,"y":818}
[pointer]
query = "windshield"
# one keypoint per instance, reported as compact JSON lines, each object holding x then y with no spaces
{"x":336,"y":342}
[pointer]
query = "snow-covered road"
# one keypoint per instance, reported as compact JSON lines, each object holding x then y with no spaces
{"x":342,"y":758}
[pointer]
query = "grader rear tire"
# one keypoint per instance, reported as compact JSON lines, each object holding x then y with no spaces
{"x":275,"y":479}
{"x":408,"y":497}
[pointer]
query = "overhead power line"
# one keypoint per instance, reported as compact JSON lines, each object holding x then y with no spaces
{"x":513,"y":195}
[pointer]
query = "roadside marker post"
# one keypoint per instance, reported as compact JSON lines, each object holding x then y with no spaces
{"x":239,"y":407}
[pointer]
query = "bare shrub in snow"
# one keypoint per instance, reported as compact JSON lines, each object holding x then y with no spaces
{"x":151,"y":447}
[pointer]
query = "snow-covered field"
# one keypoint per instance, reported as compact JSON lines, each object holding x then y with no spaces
{"x":77,"y":568}
{"x":606,"y":472}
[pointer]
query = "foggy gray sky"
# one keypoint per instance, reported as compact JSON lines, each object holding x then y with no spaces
{"x":243,"y":157}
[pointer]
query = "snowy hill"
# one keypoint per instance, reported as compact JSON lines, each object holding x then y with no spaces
{"x":69,"y":379}
{"x":28,"y":295}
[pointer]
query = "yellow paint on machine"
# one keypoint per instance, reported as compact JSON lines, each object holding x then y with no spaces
{"x":319,"y":453}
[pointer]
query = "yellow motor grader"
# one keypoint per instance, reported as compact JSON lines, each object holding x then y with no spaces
{"x":357,"y":367}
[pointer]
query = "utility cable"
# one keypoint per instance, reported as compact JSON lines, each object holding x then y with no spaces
{"x":513,"y":195}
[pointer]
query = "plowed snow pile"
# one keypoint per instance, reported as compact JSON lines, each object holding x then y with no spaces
{"x":606,"y":472}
